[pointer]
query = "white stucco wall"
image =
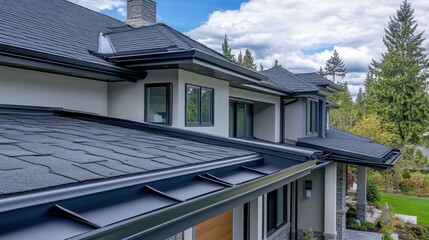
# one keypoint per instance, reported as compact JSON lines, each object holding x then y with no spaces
{"x":295,"y":120}
{"x":221,"y":102}
{"x":33,"y":88}
{"x":126,"y":100}
{"x":311,"y":210}
{"x":266,"y":113}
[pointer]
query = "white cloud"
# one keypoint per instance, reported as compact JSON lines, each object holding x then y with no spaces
{"x":122,"y":11}
{"x":100,"y":5}
{"x":294,"y":31}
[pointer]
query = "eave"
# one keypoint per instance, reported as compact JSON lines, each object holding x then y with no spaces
{"x":192,"y":60}
{"x":34,"y":60}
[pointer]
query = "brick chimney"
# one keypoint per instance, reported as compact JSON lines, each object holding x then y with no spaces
{"x":141,"y":13}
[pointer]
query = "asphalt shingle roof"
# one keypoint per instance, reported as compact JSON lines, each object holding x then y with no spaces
{"x":155,"y":37}
{"x":56,"y":27}
{"x":46,"y":151}
{"x":350,"y":145}
{"x":314,"y":78}
{"x":283,"y":78}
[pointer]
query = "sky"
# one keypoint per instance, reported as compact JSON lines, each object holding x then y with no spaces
{"x":300,"y":34}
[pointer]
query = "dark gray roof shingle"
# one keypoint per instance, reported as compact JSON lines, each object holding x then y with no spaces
{"x":155,"y":38}
{"x":283,"y":78}
{"x":61,"y":151}
{"x":56,"y":27}
{"x":314,"y":78}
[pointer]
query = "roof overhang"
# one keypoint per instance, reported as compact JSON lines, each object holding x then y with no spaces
{"x":191,"y":60}
{"x":34,"y":60}
{"x":354,"y":152}
{"x":107,"y":210}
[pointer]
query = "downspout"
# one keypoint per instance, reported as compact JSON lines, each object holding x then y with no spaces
{"x":282,"y":117}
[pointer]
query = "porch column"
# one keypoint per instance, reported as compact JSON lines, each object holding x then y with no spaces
{"x":330,"y":228}
{"x":361,"y":193}
{"x":256,"y":218}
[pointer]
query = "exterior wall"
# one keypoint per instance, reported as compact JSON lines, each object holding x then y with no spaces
{"x":32,"y":88}
{"x":341,"y":200}
{"x":266,"y":113}
{"x":311,"y":210}
{"x":295,"y":120}
{"x":221,"y":102}
{"x":126,"y":100}
{"x":281,"y":234}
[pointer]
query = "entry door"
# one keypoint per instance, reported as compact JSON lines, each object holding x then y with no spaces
{"x":217,"y":228}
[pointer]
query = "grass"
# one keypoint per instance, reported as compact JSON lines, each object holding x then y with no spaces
{"x":406,"y":205}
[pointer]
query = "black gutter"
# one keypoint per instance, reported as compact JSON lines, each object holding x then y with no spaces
{"x":139,"y":58}
{"x":291,"y":152}
{"x":34,"y":60}
{"x":161,"y":225}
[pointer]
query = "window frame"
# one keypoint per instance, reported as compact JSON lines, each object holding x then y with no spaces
{"x":249,"y":107}
{"x":309,"y":117}
{"x":199,"y":123}
{"x":284,"y":204}
{"x":169,"y":96}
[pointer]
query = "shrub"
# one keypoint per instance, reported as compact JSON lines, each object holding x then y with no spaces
{"x":416,"y":185}
{"x":386,"y":222}
{"x":406,"y":174}
{"x":309,"y":235}
{"x":372,"y":192}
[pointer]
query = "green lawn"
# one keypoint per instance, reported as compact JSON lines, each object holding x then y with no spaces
{"x":409,"y":206}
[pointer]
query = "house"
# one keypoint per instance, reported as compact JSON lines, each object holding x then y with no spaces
{"x":133,"y":130}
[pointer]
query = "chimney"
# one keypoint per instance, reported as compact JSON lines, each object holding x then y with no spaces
{"x":141,"y":13}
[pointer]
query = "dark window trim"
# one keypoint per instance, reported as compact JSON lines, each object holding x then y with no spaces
{"x":308,"y":124}
{"x":199,"y":123}
{"x":285,"y":203}
{"x":247,"y":103}
{"x":169,"y":87}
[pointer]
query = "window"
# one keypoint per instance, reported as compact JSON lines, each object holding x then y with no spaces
{"x":276,"y":209}
{"x":312,"y":116}
{"x":157,"y":103}
{"x":240,"y":119}
{"x":199,"y":106}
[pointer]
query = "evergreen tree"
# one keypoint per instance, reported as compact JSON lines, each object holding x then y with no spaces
{"x":321,"y":72}
{"x":226,"y":50}
{"x":276,"y":63}
{"x":401,"y":87}
{"x":248,"y":60}
{"x":261,"y":67}
{"x":345,"y":117}
{"x":359,"y":98}
{"x":335,"y":66}
{"x":240,"y":58}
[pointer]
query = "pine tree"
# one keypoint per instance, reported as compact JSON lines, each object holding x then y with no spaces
{"x":276,"y":63}
{"x":240,"y":58}
{"x":359,"y":98}
{"x":401,"y":87}
{"x":335,"y":66}
{"x":321,"y":72}
{"x":248,"y":60}
{"x":261,"y":67}
{"x":226,"y":49}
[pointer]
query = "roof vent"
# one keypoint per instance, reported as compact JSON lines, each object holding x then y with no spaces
{"x":141,"y":13}
{"x":104,"y":44}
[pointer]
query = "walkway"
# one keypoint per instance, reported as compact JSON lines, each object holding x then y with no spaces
{"x":359,"y":235}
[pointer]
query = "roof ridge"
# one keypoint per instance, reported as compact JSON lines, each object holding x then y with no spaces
{"x":186,"y":38}
{"x":297,"y":78}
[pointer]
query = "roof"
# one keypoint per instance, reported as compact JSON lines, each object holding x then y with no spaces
{"x":73,"y":175}
{"x":283,"y":78}
{"x":156,"y":37}
{"x":56,"y":27}
{"x":314,"y":78}
{"x":46,"y":151}
{"x":350,"y":148}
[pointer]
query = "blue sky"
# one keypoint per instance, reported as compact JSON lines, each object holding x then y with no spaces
{"x":186,"y":15}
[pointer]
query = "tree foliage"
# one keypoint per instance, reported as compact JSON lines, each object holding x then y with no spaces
{"x":249,"y":60}
{"x":399,"y":91}
{"x":226,"y":50}
{"x":335,"y":67}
